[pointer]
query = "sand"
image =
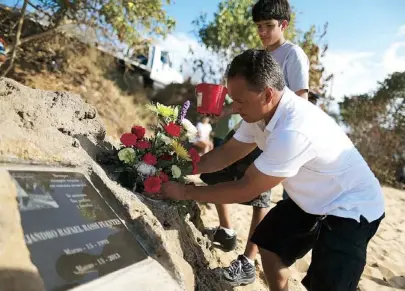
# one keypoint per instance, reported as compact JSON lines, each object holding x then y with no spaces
{"x":385,"y":269}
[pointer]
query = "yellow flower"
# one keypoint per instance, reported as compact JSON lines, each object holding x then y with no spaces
{"x":152,"y":107}
{"x":167,"y":111}
{"x":163,"y":110}
{"x":180,"y":150}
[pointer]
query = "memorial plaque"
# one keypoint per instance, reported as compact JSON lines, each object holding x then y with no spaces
{"x":72,"y":234}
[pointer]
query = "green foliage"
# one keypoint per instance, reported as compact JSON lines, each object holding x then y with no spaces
{"x":130,"y":21}
{"x":377,"y":126}
{"x":309,"y":42}
{"x":232,"y":31}
{"x":232,"y":28}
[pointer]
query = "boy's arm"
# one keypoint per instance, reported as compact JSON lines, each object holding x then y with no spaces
{"x":298,"y":72}
{"x":302,"y":93}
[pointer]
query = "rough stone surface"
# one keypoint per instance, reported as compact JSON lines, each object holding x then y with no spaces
{"x":41,"y":126}
{"x":60,"y":129}
{"x":16,"y":270}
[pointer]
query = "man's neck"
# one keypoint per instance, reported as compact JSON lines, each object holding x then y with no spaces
{"x":276,"y":45}
{"x":272,"y":111}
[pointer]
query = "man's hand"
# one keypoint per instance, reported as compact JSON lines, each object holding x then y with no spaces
{"x":173,"y":190}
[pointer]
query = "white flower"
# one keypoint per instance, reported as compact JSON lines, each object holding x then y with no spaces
{"x":145,"y":169}
{"x":176,"y":172}
{"x":190,"y":128}
{"x":167,"y":140}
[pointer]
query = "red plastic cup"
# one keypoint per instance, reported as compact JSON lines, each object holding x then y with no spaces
{"x":210,"y":98}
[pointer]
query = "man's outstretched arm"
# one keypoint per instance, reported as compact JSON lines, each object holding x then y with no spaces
{"x":225,"y":155}
{"x":249,"y":187}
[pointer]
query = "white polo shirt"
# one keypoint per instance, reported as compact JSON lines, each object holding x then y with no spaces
{"x":325,"y":174}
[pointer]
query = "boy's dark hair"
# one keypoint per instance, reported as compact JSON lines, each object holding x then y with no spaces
{"x":271,"y":9}
{"x":258,"y":68}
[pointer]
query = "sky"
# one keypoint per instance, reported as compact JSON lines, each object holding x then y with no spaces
{"x":366,"y":38}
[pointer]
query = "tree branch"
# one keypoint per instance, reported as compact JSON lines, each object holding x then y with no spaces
{"x":17,"y":38}
{"x":39,"y":35}
{"x":39,"y":9}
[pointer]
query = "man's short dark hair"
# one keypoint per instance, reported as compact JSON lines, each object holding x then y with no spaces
{"x":258,"y":68}
{"x":271,"y":9}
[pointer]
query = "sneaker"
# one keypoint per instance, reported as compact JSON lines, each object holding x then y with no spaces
{"x":226,"y":241}
{"x":239,"y":273}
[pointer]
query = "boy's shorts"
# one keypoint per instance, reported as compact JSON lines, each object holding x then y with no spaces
{"x":235,"y":172}
{"x":339,"y":245}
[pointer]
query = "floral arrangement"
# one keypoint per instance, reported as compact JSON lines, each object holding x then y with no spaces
{"x":166,"y":156}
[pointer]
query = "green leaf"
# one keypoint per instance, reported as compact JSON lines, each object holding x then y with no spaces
{"x":164,"y":164}
{"x":176,"y":112}
{"x":133,"y":22}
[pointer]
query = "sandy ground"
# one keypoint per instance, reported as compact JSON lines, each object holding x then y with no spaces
{"x":385,"y":269}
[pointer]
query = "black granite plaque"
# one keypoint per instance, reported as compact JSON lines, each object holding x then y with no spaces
{"x":72,"y":234}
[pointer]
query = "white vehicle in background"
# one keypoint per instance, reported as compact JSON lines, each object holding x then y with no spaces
{"x":156,"y":68}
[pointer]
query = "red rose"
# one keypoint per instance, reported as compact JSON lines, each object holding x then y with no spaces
{"x":195,"y":170}
{"x":163,"y":177}
{"x":139,"y":131}
{"x":152,"y":184}
{"x":149,"y":159}
{"x":165,"y":157}
{"x":195,"y":157}
{"x":143,"y":144}
{"x":173,"y":129}
{"x":128,"y":139}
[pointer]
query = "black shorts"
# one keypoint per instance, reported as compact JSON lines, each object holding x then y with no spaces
{"x":339,"y":245}
{"x":235,"y":172}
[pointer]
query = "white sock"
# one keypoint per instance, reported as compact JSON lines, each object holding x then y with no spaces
{"x":252,"y":262}
{"x":229,"y":231}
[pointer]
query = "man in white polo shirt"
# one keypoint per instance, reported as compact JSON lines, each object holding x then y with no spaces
{"x":336,"y":202}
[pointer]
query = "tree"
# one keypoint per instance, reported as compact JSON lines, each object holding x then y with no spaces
{"x":232,"y":30}
{"x":377,"y":126}
{"x":17,"y":37}
{"x":131,"y":22}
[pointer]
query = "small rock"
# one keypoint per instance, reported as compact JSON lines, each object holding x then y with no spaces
{"x":90,"y":114}
{"x":76,"y":143}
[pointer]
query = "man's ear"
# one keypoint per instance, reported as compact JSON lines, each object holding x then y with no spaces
{"x":268,"y":95}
